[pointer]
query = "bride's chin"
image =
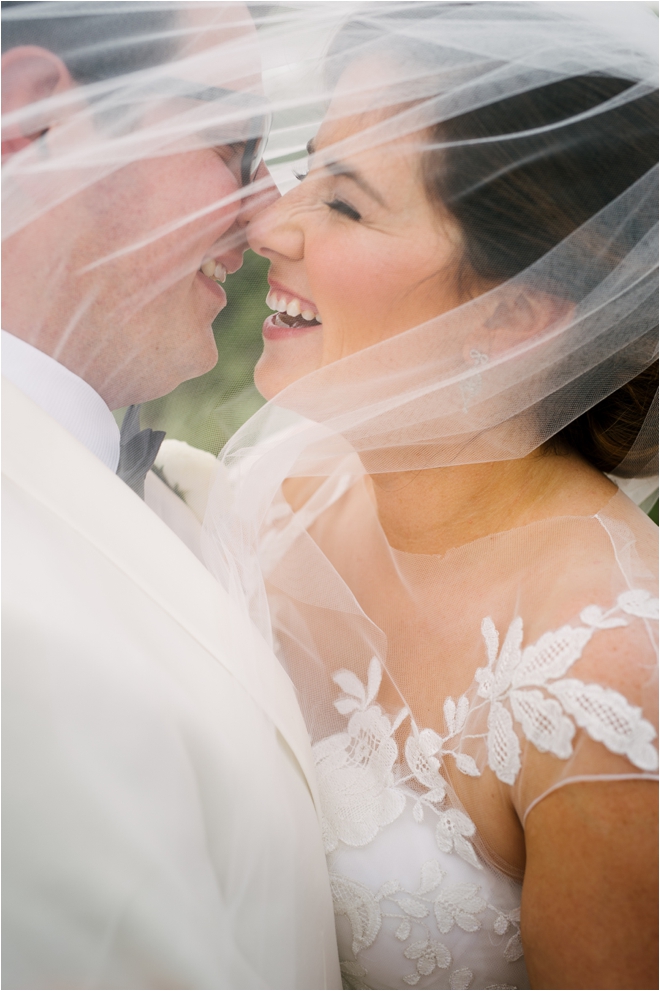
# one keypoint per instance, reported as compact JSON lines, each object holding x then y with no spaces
{"x":284,"y":361}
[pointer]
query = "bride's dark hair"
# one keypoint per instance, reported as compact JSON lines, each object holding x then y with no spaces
{"x":516,"y":198}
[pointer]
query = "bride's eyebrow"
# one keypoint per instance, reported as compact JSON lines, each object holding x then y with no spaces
{"x":341,"y":168}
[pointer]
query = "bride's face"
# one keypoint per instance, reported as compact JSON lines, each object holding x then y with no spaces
{"x":358,"y":246}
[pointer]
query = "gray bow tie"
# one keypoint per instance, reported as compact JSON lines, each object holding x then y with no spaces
{"x":137,"y":450}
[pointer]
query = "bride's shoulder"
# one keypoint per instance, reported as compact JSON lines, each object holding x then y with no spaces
{"x":582,"y":560}
{"x":571,"y":673}
{"x":600,"y":582}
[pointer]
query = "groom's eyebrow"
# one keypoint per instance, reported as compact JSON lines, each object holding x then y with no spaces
{"x":341,"y":168}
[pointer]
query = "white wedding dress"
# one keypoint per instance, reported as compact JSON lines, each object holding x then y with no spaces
{"x":555,"y":625}
{"x":415,"y":905}
{"x":554,"y":629}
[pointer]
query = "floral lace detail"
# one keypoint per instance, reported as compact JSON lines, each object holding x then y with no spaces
{"x":359,"y":790}
{"x":449,"y":905}
{"x":364,"y":786}
{"x":516,"y":675}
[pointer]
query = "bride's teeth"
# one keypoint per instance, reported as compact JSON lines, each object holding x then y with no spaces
{"x":208,"y":268}
{"x":220,"y":272}
{"x":291,"y":308}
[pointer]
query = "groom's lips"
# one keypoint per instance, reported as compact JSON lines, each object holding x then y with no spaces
{"x":230,"y":262}
{"x":213,"y":287}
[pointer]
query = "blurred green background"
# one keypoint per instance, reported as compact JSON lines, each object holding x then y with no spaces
{"x":207,"y":410}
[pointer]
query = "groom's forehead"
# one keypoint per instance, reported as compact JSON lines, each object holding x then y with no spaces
{"x":161,"y":79}
{"x":218,"y":45}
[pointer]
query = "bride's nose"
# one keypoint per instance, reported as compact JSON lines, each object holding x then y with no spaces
{"x":274,"y":231}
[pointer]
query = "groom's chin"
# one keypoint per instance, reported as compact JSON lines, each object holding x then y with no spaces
{"x":201,"y":358}
{"x":195,"y":355}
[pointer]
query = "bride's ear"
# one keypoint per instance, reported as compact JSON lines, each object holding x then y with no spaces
{"x":30,"y":74}
{"x":518,"y":314}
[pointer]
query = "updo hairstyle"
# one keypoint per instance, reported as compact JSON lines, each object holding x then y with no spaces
{"x":517,"y":198}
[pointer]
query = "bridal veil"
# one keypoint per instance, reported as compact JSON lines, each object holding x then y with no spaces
{"x":454,"y":78}
{"x":552,"y":622}
{"x":292,"y":528}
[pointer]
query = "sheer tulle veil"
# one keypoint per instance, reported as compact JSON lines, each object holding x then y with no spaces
{"x":290,"y":515}
{"x":434,"y":395}
{"x":454,"y":84}
{"x":516,"y":662}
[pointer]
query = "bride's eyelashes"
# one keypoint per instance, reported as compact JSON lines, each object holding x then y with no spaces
{"x":334,"y":204}
{"x":343,"y":208}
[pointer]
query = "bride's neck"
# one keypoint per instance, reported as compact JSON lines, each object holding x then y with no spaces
{"x":427,"y":512}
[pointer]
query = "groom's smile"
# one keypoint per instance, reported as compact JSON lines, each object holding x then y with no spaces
{"x":135,"y":249}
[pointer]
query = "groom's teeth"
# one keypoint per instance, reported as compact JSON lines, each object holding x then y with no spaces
{"x":293,"y":309}
{"x":271,"y":300}
{"x":282,"y":305}
{"x":309,"y":315}
{"x":213,"y":269}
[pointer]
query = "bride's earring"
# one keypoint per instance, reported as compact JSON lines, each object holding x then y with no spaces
{"x":478,"y":357}
{"x":472,"y":387}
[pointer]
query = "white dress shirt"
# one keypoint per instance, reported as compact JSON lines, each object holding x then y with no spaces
{"x":64,"y":396}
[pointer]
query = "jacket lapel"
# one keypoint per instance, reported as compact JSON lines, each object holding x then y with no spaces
{"x":49,"y":464}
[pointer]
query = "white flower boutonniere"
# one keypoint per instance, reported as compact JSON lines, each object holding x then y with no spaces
{"x":188,"y":471}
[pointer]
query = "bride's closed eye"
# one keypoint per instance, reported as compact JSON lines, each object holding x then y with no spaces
{"x":343,"y":208}
{"x":335,"y":204}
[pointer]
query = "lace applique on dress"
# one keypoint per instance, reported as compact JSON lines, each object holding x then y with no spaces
{"x":366,"y":784}
{"x":517,"y":675}
{"x":363,"y":790}
{"x":359,"y":789}
{"x":437,"y":900}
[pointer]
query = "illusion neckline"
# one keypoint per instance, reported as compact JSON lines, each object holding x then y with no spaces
{"x":488,"y":537}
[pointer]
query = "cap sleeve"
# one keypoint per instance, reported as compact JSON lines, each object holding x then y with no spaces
{"x":580,"y":703}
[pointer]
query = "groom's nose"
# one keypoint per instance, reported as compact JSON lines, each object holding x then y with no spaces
{"x":264,"y":195}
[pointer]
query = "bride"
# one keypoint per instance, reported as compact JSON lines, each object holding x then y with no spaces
{"x":422,"y":518}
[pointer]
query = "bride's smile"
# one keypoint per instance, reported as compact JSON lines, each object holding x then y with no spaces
{"x":428,"y":491}
{"x":358,"y":244}
{"x":293,"y":315}
{"x":360,"y":691}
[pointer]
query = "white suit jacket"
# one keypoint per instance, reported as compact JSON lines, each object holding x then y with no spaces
{"x":159,"y":821}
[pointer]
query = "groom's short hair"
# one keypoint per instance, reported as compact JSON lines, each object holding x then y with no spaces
{"x":96,"y":41}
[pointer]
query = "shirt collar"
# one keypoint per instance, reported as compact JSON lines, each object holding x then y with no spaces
{"x":64,"y":396}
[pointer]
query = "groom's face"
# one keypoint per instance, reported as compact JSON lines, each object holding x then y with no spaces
{"x":126,"y":305}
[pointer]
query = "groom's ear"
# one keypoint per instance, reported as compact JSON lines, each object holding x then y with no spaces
{"x":29,"y":74}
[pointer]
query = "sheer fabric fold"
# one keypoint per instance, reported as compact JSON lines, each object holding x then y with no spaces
{"x":507,"y":667}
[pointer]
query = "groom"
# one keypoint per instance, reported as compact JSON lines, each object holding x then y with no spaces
{"x":159,"y":818}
